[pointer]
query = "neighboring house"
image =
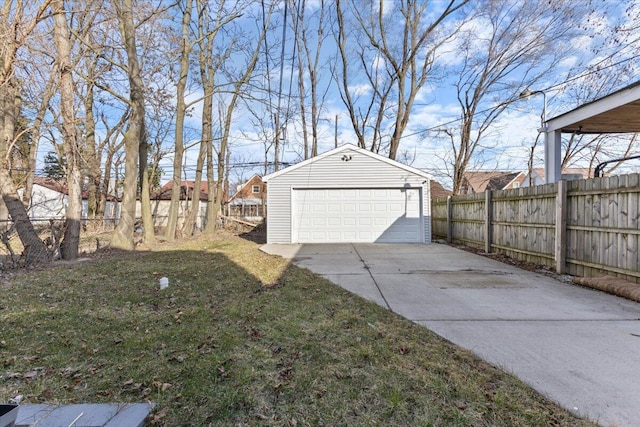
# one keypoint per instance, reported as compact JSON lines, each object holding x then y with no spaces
{"x":568,"y":173}
{"x":438,"y":191}
{"x":49,"y":198}
{"x":477,"y":182}
{"x":249,"y":201}
{"x":349,"y":194}
{"x":161,"y":200}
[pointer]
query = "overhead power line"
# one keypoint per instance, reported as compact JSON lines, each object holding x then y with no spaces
{"x":549,"y":88}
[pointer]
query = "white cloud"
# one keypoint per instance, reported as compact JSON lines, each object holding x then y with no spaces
{"x":360,"y":89}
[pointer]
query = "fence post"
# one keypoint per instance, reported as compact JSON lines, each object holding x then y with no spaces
{"x":449,"y":222}
{"x":488,"y":215}
{"x":561,"y":227}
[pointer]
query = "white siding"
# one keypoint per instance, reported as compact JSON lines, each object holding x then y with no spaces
{"x":362,"y":171}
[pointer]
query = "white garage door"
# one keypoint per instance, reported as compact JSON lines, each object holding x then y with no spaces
{"x":390,"y":215}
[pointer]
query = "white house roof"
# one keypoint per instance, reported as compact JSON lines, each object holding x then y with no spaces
{"x":348,"y":147}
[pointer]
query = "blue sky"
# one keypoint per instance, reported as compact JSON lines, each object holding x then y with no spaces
{"x":436,"y":108}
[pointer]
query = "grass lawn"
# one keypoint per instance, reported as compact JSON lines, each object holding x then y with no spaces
{"x":240,"y":338}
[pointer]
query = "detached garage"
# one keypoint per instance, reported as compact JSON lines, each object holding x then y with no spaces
{"x":348,"y":195}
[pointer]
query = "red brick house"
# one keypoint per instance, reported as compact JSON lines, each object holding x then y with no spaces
{"x":250,"y":200}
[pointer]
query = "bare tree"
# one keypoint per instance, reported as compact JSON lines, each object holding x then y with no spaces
{"x":15,"y":26}
{"x":401,"y":44}
{"x":309,"y":55}
{"x":135,"y":134}
{"x":186,"y":46}
{"x":234,"y":86}
{"x":210,"y":59}
{"x":72,"y":148}
{"x":507,"y":47}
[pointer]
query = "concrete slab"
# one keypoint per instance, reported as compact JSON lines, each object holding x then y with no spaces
{"x":29,"y":415}
{"x":577,"y":346}
{"x":284,"y":251}
{"x":386,"y":248}
{"x":586,"y":366}
{"x":359,"y":284}
{"x":326,"y":249}
{"x":343,"y":263}
{"x":130,"y":415}
{"x":84,"y":415}
{"x":425,"y":259}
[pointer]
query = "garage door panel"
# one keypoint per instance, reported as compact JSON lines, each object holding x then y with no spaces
{"x":319,"y":221}
{"x":364,"y":221}
{"x":356,"y":215}
{"x":349,"y":221}
{"x":334,"y":221}
{"x":380,"y":221}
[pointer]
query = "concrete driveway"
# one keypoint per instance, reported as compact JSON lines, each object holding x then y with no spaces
{"x":577,"y":346}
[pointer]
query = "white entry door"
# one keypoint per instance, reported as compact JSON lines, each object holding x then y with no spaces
{"x":362,"y":215}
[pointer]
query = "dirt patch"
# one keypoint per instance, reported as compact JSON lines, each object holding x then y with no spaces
{"x":612,"y":285}
{"x":524,"y":265}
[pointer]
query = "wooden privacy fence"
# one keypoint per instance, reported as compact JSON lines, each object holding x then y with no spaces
{"x":583,"y":228}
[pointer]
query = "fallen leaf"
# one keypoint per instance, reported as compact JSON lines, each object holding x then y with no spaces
{"x":30,"y":374}
{"x":157,"y":417}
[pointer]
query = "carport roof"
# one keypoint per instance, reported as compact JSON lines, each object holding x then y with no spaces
{"x":348,"y":147}
{"x":618,"y":112}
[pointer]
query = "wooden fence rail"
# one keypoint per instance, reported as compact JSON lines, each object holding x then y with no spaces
{"x":584,"y":227}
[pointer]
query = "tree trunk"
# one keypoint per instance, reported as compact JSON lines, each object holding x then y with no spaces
{"x":35,"y":251}
{"x":189,"y":227}
{"x":172,"y":220}
{"x":210,"y":226}
{"x":145,"y":190}
{"x":71,"y":240}
{"x":145,"y":204}
{"x":106,"y":180}
{"x":123,"y":234}
{"x":92,"y":160}
{"x":11,"y":37}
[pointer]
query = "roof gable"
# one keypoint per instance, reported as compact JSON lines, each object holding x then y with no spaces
{"x":503,"y":181}
{"x":438,"y":191}
{"x":254,"y":180}
{"x":341,"y":149}
{"x":480,"y":181}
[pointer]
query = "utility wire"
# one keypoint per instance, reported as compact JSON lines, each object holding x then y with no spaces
{"x":549,"y":88}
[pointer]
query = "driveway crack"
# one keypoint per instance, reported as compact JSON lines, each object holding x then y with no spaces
{"x":386,"y":303}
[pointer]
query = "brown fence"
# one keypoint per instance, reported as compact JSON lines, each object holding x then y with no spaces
{"x":584,"y":227}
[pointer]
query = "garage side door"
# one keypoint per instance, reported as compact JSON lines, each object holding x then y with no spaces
{"x":363,"y":215}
